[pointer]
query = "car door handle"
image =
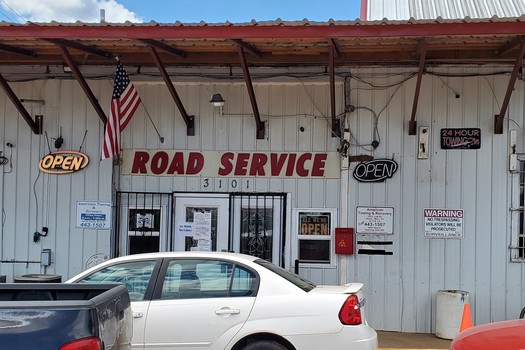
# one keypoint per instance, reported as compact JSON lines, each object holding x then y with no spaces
{"x":227,"y":311}
{"x":137,"y":314}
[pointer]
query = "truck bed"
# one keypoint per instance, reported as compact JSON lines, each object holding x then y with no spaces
{"x":48,"y":315}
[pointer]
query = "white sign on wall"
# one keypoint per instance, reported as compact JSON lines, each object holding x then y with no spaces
{"x":443,"y":223}
{"x":375,"y":220}
{"x":94,"y":215}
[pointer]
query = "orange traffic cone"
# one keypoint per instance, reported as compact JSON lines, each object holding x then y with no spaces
{"x":466,"y":320}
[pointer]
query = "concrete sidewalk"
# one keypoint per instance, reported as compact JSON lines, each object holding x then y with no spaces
{"x":399,"y":340}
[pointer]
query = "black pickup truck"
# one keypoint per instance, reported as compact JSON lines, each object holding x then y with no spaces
{"x":57,"y":316}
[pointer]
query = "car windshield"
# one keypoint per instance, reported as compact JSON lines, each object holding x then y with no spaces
{"x":297,"y":280}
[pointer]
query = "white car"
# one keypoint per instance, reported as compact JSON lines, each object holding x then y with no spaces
{"x":212,"y":300}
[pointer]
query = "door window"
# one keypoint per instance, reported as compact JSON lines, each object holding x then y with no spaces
{"x":207,"y":240}
{"x":189,"y":279}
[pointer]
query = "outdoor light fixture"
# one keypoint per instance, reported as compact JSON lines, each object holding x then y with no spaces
{"x":217,"y":100}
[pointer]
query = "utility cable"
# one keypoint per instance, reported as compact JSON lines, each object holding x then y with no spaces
{"x":12,"y":10}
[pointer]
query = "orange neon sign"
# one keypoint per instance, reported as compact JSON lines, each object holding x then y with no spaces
{"x":63,"y":162}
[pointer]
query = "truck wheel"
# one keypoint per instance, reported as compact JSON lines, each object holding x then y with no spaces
{"x":264,"y":345}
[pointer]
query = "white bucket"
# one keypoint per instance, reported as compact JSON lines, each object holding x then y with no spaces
{"x":449,"y":312}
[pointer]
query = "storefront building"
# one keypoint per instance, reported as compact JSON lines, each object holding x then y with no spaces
{"x":384,"y":153}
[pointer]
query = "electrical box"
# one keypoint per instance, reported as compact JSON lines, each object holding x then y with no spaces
{"x":45,"y":257}
{"x":344,"y":240}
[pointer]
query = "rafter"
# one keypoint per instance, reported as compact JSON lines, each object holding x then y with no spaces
{"x":80,"y":78}
{"x":261,"y":131}
{"x":14,"y":49}
{"x":164,"y":47}
{"x":498,"y":127}
{"x":188,"y":119}
{"x":250,"y":48}
{"x":422,"y":50}
{"x":80,"y":47}
{"x":35,"y":125}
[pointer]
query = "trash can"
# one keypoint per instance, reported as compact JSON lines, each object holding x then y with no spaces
{"x":449,"y":312}
{"x":38,"y":278}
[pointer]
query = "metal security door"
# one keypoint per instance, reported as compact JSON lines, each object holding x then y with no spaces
{"x":143,"y":223}
{"x":257,"y":225}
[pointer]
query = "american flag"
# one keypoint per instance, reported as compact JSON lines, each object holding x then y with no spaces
{"x":124,"y":103}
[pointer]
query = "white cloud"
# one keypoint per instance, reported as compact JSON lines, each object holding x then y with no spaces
{"x":69,"y":10}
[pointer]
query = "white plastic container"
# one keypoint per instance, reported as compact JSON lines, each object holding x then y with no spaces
{"x":449,"y":312}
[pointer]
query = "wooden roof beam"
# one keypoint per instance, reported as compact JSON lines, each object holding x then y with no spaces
{"x":331,"y":42}
{"x":35,"y":125}
{"x":422,"y":50}
{"x":14,"y":49}
{"x":162,"y":46}
{"x":80,"y":78}
{"x":250,"y":48}
{"x":498,"y":126}
{"x":80,"y":47}
{"x":188,"y":119}
{"x":261,"y":131}
{"x":509,"y":46}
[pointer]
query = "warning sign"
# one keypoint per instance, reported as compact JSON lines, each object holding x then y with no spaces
{"x":443,"y":223}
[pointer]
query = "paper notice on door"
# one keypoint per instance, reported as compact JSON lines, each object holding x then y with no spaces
{"x":202,"y":225}
{"x":185,"y":229}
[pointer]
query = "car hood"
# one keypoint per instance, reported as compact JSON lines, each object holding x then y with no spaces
{"x":349,"y":288}
{"x":508,"y":335}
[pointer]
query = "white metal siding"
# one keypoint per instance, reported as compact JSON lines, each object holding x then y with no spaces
{"x":457,"y":9}
{"x":32,"y":199}
{"x":401,"y":288}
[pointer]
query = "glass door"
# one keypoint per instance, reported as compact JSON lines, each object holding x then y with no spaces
{"x":201,"y":222}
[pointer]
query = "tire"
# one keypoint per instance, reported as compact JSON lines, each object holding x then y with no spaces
{"x":522,"y":314}
{"x":264,"y":345}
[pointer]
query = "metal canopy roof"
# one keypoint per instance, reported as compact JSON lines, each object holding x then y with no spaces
{"x":264,"y":44}
{"x":276,"y":43}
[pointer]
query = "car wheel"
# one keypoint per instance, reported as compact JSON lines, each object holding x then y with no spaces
{"x":264,"y":345}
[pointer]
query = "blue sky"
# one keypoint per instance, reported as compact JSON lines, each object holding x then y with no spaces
{"x":245,"y":10}
{"x":169,"y":11}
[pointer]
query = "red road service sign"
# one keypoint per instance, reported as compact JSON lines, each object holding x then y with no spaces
{"x":231,"y":164}
{"x":63,"y":162}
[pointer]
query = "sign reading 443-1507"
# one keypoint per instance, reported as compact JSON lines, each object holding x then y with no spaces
{"x":94,"y":215}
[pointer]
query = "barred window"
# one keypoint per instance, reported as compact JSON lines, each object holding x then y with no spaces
{"x":518,"y":238}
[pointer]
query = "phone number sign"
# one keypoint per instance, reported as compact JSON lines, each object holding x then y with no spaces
{"x":375,"y":220}
{"x":94,"y":215}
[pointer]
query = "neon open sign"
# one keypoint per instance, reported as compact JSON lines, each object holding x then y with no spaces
{"x":376,"y":170}
{"x":63,"y":162}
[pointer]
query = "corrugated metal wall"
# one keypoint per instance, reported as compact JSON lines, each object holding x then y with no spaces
{"x":400,"y":288}
{"x":457,"y":9}
{"x":405,"y":284}
{"x":31,"y":199}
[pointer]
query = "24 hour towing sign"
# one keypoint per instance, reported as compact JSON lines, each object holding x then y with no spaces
{"x":231,"y":164}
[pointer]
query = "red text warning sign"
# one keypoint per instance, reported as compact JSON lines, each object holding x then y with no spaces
{"x":443,"y":223}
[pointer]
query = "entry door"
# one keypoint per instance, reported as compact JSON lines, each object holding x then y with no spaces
{"x":258,"y":222}
{"x":201,"y":222}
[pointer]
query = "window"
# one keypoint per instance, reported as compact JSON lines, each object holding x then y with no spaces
{"x":135,"y":275}
{"x":518,"y":238}
{"x":314,"y":232}
{"x":187,"y":279}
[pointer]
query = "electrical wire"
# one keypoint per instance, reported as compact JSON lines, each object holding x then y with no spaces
{"x":12,"y":10}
